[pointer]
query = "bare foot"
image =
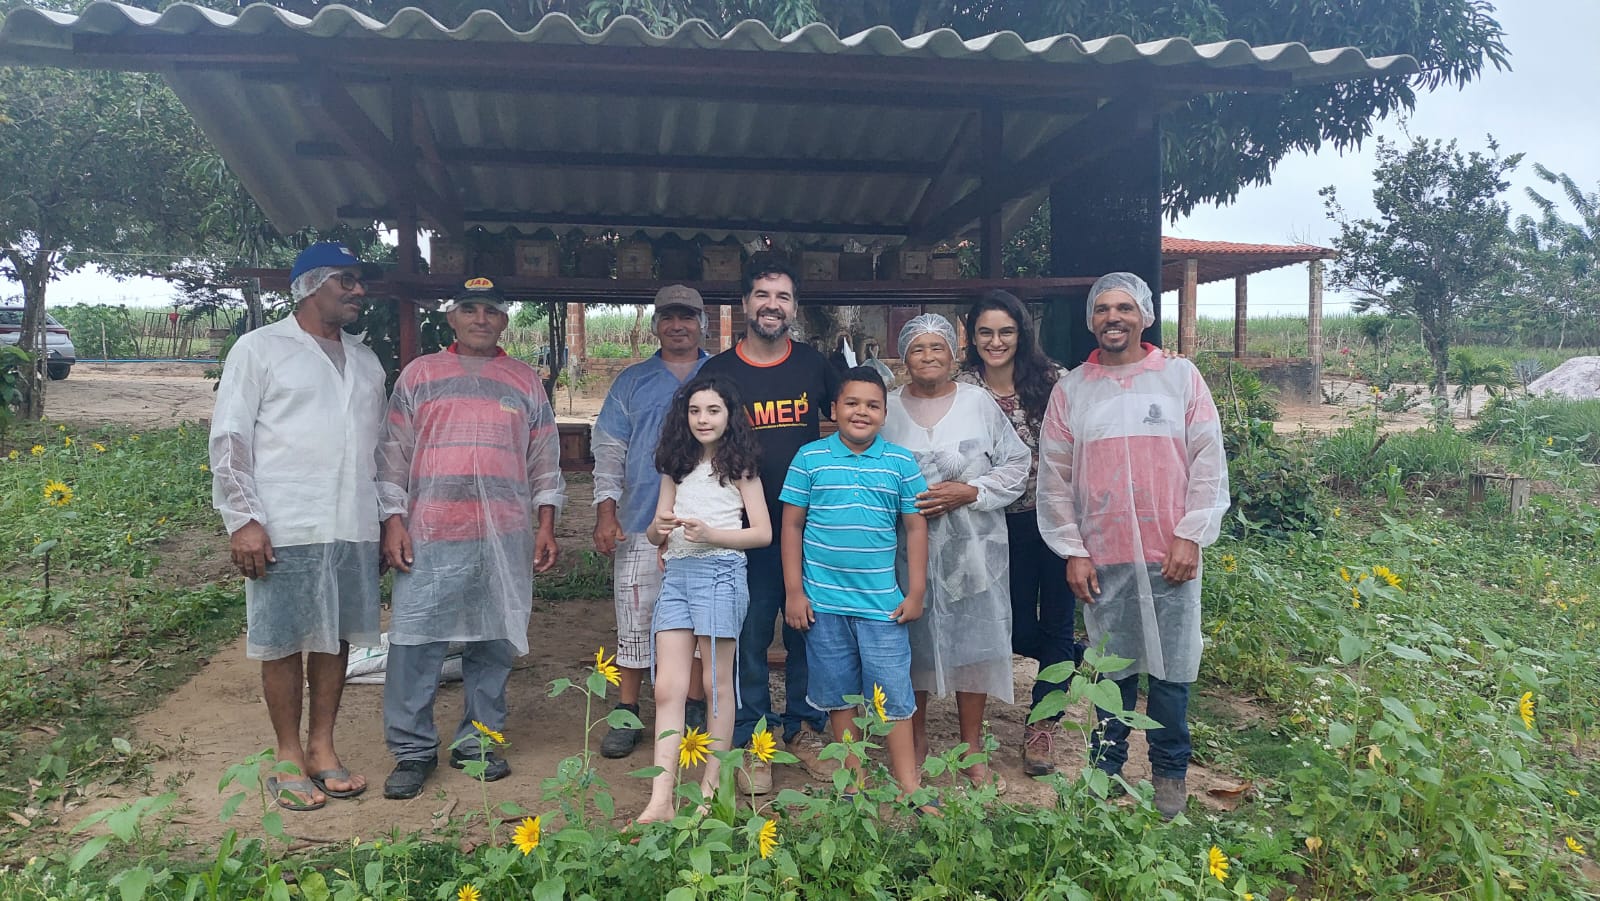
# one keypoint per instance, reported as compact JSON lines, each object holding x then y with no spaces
{"x":654,"y":814}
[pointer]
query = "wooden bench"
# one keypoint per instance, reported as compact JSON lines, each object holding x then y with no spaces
{"x":1478,"y":485}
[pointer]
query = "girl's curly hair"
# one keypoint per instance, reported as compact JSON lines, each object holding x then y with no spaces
{"x":678,"y":452}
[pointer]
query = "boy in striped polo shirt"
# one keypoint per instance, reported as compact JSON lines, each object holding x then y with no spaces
{"x":841,"y":498}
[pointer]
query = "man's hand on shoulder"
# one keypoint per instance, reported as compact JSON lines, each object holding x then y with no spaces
{"x":251,"y":550}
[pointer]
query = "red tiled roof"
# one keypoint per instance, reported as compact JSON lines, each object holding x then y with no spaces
{"x":1191,"y":247}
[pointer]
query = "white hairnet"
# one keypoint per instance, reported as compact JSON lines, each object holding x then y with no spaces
{"x":1129,"y":284}
{"x":309,"y":281}
{"x":927,"y":324}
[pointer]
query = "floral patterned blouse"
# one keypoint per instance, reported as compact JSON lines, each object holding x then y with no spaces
{"x":1027,"y":430}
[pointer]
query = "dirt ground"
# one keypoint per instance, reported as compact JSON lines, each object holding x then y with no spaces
{"x":218,"y":718}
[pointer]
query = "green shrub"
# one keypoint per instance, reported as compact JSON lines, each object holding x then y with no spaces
{"x":1272,"y":486}
{"x":1546,"y":425}
{"x":1239,"y":392}
{"x":1360,"y":460}
{"x":13,"y":361}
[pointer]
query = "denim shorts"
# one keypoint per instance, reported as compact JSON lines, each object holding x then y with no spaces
{"x":848,"y":655}
{"x":707,"y":595}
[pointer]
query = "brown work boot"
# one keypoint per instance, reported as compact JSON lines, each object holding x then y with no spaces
{"x":1171,"y":795}
{"x":807,"y":745}
{"x":1038,"y":748}
{"x":754,"y":776}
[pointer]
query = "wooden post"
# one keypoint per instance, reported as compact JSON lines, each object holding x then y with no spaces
{"x":1241,"y":314}
{"x":1188,"y":318}
{"x":577,"y":338}
{"x":409,"y":332}
{"x":725,"y":341}
{"x":1314,"y":319}
{"x":991,"y":239}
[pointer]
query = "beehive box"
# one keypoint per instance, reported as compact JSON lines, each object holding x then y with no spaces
{"x":594,"y":261}
{"x":636,"y":260}
{"x":819,"y":266}
{"x":855,"y":267}
{"x":675,"y":263}
{"x":537,"y":259}
{"x":907,"y":265}
{"x":946,"y":267}
{"x":720,"y":262}
{"x":446,"y":257}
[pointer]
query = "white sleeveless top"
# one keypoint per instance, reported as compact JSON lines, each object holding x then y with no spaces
{"x":702,"y":497}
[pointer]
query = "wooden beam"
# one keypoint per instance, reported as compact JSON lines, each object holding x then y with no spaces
{"x":657,"y":162}
{"x":953,"y":171}
{"x":366,"y":142}
{"x":1241,"y":314}
{"x":1188,"y":316}
{"x":992,"y":144}
{"x":1096,"y":135}
{"x":632,"y":221}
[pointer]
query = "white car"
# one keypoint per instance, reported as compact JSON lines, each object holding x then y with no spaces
{"x":57,"y":340}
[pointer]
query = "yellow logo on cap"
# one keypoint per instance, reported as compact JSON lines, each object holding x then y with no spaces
{"x":478,"y":284}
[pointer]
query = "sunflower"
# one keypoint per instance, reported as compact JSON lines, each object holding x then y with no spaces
{"x":469,"y":892}
{"x":1229,"y":562}
{"x":526,"y":838}
{"x":98,"y":447}
{"x":1525,"y":709}
{"x":693,"y":747}
{"x":878,"y":700}
{"x":1344,"y":573}
{"x":488,"y":733}
{"x":1572,"y":845}
{"x":37,"y":450}
{"x":57,"y":494}
{"x":67,"y":441}
{"x":607,"y":666}
{"x":767,"y":838}
{"x":1387,"y":575}
{"x":1217,"y":863}
{"x":763,"y":745}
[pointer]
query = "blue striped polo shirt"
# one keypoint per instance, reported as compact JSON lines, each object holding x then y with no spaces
{"x":853,"y":504}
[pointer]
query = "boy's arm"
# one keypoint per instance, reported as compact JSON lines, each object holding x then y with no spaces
{"x":797,"y":607}
{"x":910,"y":609}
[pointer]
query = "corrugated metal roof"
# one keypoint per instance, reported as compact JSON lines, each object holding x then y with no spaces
{"x":576,"y":132}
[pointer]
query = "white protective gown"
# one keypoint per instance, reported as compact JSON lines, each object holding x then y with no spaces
{"x":963,"y":640}
{"x":1130,"y":458}
{"x":469,"y":455}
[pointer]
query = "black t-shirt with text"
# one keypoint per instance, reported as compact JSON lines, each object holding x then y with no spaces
{"x":786,"y":402}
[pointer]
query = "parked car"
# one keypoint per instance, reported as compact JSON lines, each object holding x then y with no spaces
{"x":56,"y":338}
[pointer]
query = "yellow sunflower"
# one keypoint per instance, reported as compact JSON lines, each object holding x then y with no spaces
{"x":692,"y":749}
{"x":98,"y":447}
{"x":878,"y":700}
{"x":67,"y":441}
{"x":1525,"y":709}
{"x":469,"y":892}
{"x":607,"y":666}
{"x":1217,"y":863}
{"x":488,"y":733}
{"x":57,"y":494}
{"x":1387,"y":575}
{"x":1229,"y":562}
{"x":37,"y":450}
{"x":526,"y":838}
{"x":763,"y":745}
{"x":1572,"y":845}
{"x":767,"y":838}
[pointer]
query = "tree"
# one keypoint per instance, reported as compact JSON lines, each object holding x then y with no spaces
{"x":1440,"y":236}
{"x":1560,"y":260}
{"x":87,"y":157}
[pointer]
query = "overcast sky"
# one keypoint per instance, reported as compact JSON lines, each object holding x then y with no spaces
{"x":1544,"y":107}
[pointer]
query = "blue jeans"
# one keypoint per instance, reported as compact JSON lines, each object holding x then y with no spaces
{"x":1042,"y":606}
{"x":852,"y":655}
{"x":765,"y":578}
{"x":1168,"y":704}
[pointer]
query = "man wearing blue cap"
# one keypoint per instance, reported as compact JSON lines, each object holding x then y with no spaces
{"x":293,"y":438}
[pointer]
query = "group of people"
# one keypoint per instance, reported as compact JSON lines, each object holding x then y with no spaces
{"x":944,"y":526}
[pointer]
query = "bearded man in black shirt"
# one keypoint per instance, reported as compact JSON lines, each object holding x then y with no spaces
{"x":787,"y":388}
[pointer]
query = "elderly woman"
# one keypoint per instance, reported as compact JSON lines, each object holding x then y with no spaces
{"x":1003,"y":358}
{"x":975,"y":465}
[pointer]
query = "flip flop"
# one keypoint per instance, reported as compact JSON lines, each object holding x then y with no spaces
{"x":320,"y":780}
{"x":931,"y":809}
{"x":283,"y":792}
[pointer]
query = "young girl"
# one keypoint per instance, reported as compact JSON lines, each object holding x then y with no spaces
{"x":707,"y":456}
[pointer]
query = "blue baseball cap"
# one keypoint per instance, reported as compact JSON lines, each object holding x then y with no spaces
{"x":330,"y":253}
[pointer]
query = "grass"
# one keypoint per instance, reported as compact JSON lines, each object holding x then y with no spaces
{"x":1388,"y":748}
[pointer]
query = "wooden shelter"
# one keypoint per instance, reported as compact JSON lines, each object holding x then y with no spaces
{"x":822,"y":139}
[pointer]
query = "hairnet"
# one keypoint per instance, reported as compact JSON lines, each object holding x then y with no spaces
{"x":309,"y":281}
{"x":1129,"y":284}
{"x":927,"y":324}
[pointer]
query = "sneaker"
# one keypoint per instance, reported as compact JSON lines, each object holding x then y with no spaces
{"x":807,"y":745}
{"x":495,"y":766}
{"x":619,"y":743}
{"x":694,"y":714}
{"x":1038,"y":748}
{"x":407,"y":779}
{"x":1171,"y":795}
{"x":755,"y":777}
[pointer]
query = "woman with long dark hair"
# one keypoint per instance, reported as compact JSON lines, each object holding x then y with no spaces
{"x":1003,"y":357}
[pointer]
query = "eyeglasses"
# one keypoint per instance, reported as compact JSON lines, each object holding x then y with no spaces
{"x":349,"y":280}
